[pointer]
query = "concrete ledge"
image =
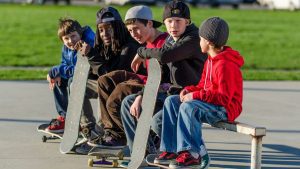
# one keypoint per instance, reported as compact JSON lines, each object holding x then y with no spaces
{"x":241,"y":128}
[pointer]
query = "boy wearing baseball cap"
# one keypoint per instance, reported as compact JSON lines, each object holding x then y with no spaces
{"x":114,"y":86}
{"x":181,"y":52}
{"x":114,"y":49}
{"x":217,"y":97}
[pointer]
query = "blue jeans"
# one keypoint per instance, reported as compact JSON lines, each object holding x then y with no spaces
{"x":130,"y":122}
{"x":61,"y":94}
{"x":182,"y":123}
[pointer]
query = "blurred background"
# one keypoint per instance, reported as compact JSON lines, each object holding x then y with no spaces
{"x":266,"y":32}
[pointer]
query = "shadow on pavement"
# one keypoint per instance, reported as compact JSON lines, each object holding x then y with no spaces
{"x":279,"y":156}
{"x":23,"y":120}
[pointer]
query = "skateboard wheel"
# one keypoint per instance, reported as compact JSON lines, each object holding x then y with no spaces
{"x":115,"y":163}
{"x":85,"y":131}
{"x":44,"y":139}
{"x":90,"y":162}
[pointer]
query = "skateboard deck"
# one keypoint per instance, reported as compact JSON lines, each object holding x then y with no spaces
{"x":103,"y":154}
{"x":52,"y":136}
{"x":75,"y":105}
{"x":144,"y":121}
{"x":150,"y":161}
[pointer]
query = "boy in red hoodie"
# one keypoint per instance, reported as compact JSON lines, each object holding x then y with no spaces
{"x":217,"y":97}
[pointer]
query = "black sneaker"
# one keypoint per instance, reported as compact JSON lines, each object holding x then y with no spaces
{"x":205,"y":161}
{"x":165,"y":158}
{"x":184,"y":160}
{"x":108,"y":141}
{"x":83,"y":149}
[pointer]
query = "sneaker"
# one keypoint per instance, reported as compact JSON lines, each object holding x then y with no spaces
{"x":184,"y":160}
{"x":107,"y":142}
{"x":205,"y":161}
{"x":165,"y":158}
{"x":124,"y":164}
{"x":83,"y":149}
{"x":56,"y":125}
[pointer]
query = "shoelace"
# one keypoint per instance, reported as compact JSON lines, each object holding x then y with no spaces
{"x":54,"y":122}
{"x":163,"y":154}
{"x":183,"y":156}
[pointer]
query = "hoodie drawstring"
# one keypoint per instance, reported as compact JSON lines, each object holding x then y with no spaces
{"x":209,"y":65}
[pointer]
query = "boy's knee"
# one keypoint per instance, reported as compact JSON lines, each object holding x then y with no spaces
{"x":171,"y":99}
{"x":185,"y":106}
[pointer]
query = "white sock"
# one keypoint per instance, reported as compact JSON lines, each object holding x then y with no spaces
{"x":203,"y":151}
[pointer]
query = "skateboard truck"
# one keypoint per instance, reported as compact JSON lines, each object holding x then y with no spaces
{"x":103,"y":155}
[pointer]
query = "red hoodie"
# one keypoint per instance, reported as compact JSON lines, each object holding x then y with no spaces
{"x":222,"y":82}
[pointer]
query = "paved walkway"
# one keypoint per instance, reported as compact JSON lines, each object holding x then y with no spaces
{"x":275,"y":105}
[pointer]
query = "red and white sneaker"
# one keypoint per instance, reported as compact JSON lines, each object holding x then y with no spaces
{"x":165,"y":158}
{"x":57,"y":125}
{"x":185,"y":160}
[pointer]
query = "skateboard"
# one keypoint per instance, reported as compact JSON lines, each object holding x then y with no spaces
{"x":150,"y":161}
{"x":144,"y":122}
{"x":75,"y":105}
{"x":52,"y":136}
{"x":103,"y":154}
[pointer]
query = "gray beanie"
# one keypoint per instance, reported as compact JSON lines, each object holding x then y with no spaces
{"x":215,"y":30}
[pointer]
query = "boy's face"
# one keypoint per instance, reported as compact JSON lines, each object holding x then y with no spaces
{"x":204,"y":45}
{"x":106,"y":33}
{"x":71,"y":39}
{"x":139,"y":31}
{"x":176,"y":26}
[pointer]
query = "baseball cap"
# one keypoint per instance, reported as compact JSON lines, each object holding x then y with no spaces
{"x":141,"y":12}
{"x":176,"y":9}
{"x":108,"y":14}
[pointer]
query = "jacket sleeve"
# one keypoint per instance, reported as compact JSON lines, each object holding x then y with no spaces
{"x":200,"y":85}
{"x":171,"y":53}
{"x":227,"y":78}
{"x":65,"y":69}
{"x":97,"y":62}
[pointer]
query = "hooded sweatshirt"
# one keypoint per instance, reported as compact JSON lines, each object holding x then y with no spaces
{"x":222,"y":82}
{"x":69,"y":57}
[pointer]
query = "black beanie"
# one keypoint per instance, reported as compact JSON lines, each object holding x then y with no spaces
{"x":176,"y":9}
{"x":215,"y":30}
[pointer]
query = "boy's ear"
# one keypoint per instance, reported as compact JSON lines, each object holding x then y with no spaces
{"x":188,"y":21}
{"x":150,"y":23}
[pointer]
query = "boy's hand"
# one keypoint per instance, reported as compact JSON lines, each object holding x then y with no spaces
{"x":182,"y":94}
{"x":135,"y":108}
{"x":136,"y":62}
{"x":82,"y":47}
{"x":187,"y":97}
{"x":53,"y":81}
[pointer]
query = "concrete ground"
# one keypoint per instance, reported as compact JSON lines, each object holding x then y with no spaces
{"x":274,"y":105}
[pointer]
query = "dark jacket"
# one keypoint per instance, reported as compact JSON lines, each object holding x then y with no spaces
{"x":106,"y":61}
{"x":184,"y":57}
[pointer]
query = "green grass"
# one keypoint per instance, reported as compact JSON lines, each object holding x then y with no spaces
{"x":268,"y":40}
{"x":23,"y":74}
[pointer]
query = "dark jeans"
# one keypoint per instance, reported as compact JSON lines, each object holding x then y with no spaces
{"x":87,"y":110}
{"x":112,"y":88}
{"x":61,"y":94}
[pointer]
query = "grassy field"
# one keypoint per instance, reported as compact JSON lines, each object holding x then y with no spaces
{"x":268,"y":40}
